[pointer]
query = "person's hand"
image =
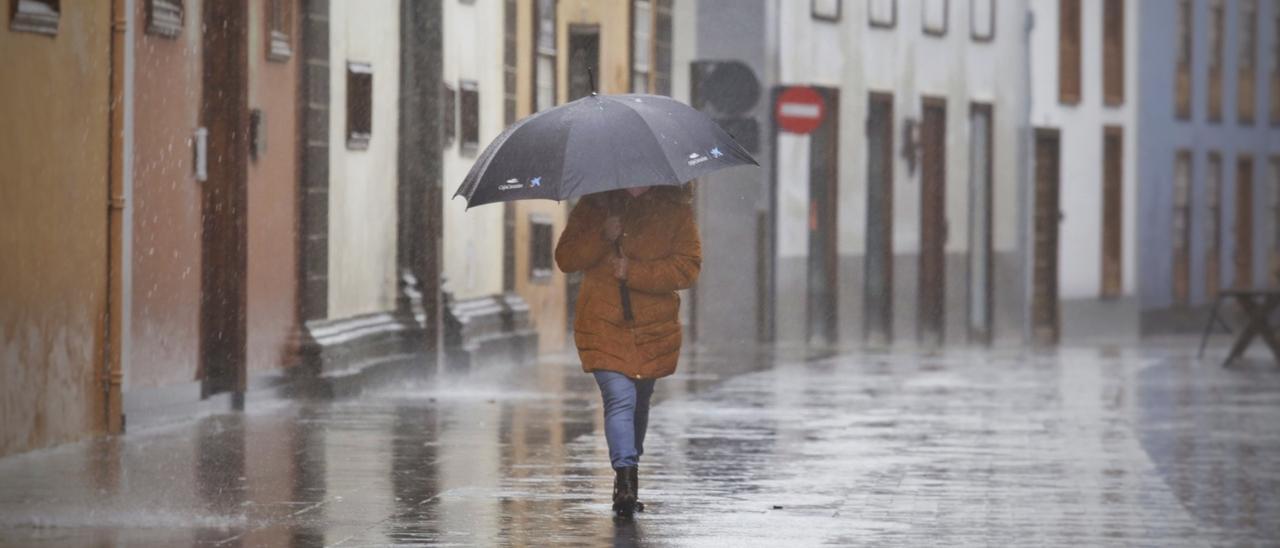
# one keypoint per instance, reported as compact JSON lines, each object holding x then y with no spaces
{"x":612,"y":228}
{"x":620,"y":268}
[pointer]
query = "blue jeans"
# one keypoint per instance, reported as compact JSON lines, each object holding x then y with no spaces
{"x":626,"y":415}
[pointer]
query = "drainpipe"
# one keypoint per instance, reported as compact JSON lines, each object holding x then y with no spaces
{"x":118,"y":210}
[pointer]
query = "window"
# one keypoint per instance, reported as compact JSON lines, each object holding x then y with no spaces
{"x":279,"y":30}
{"x":509,"y":30}
{"x":359,"y":105}
{"x":1113,"y":52}
{"x":982,"y":20}
{"x":1217,"y":21}
{"x":641,"y":44}
{"x":934,"y":20}
{"x":882,"y":13}
{"x":541,"y":244}
{"x":662,"y":47}
{"x":544,"y":88}
{"x":450,"y":108}
{"x":1213,"y":226}
{"x":1112,"y":211}
{"x":1182,"y":84}
{"x":38,"y":16}
{"x":1182,"y":228}
{"x":1246,"y":93}
{"x":1275,"y":66}
{"x":825,"y":10}
{"x":469,"y":115}
{"x":1069,"y":52}
{"x":164,"y":18}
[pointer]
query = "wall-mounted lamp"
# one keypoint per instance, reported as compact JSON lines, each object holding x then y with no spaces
{"x":910,"y":144}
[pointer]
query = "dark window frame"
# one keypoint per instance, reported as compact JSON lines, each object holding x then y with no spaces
{"x":1113,"y":52}
{"x":1247,"y":62}
{"x":1183,"y":84}
{"x":882,"y":24}
{"x":1217,"y":31}
{"x":663,"y":35}
{"x":510,"y":47}
{"x":991,"y":22}
{"x":537,"y":52}
{"x":1070,"y":52}
{"x":165,"y":17}
{"x":279,"y":30}
{"x":468,"y":117}
{"x":829,"y":17}
{"x":24,"y":19}
{"x":359,"y":105}
{"x":541,"y":248}
{"x":450,"y":115}
{"x":946,"y":20}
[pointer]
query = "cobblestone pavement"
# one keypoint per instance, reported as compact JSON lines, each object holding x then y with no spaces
{"x":1079,"y":447}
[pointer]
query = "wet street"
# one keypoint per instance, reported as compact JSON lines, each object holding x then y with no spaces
{"x":1075,"y":447}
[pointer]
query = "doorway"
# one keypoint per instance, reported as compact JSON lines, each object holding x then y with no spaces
{"x":224,"y":112}
{"x":981,"y":257}
{"x":824,"y":181}
{"x":932,"y":293}
{"x":1045,"y":319}
{"x":878,"y":288}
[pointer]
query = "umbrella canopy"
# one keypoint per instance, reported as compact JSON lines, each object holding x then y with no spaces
{"x":600,"y":143}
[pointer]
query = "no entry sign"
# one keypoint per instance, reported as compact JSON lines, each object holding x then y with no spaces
{"x":799,"y":109}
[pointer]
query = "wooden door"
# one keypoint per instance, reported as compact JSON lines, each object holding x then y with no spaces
{"x":931,"y":311}
{"x":1213,"y":226}
{"x":824,"y":180}
{"x":1182,"y":228}
{"x":1044,"y":284}
{"x":1112,"y":212}
{"x":981,"y":256}
{"x":878,"y":288}
{"x":1244,"y":222}
{"x":225,"y":113}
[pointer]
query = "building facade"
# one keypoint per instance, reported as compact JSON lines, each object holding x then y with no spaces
{"x":1084,"y":208}
{"x":1208,"y":156}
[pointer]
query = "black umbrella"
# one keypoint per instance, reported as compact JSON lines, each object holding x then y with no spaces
{"x":597,"y":144}
{"x":600,"y":143}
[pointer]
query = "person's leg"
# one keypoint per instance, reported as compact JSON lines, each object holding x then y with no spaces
{"x":644,"y":390}
{"x":619,"y":396}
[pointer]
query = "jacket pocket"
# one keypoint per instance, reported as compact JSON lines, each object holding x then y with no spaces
{"x":658,"y":339}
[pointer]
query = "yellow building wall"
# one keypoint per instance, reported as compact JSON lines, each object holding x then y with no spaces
{"x":53,"y":227}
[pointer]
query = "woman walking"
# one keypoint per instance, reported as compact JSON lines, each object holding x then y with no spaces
{"x":636,"y":248}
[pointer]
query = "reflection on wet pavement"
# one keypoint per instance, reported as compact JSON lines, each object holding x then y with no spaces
{"x":1075,"y":447}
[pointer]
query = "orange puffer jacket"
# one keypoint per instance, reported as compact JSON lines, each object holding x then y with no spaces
{"x":664,"y":255}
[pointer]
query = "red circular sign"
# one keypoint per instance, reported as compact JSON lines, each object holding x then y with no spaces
{"x":799,"y":110}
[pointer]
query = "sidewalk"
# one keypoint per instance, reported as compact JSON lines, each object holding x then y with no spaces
{"x":1079,"y":447}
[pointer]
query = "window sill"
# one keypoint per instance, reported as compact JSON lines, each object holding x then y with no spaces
{"x":280,"y":50}
{"x":358,"y":141}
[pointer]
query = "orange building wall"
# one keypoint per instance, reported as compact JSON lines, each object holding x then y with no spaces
{"x":53,"y":227}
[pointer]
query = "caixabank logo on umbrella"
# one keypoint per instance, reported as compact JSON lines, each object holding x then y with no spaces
{"x":696,"y":158}
{"x":515,"y":184}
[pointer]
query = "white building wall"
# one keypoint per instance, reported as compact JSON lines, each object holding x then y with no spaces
{"x":473,"y":239}
{"x":1081,"y":130}
{"x":362,"y":183}
{"x":903,"y":60}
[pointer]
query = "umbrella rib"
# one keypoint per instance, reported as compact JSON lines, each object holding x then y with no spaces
{"x":653,"y":135}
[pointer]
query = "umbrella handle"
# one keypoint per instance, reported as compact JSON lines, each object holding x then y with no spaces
{"x":624,"y":292}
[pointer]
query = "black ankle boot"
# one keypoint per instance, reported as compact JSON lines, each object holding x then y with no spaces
{"x":624,"y":493}
{"x":635,"y":487}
